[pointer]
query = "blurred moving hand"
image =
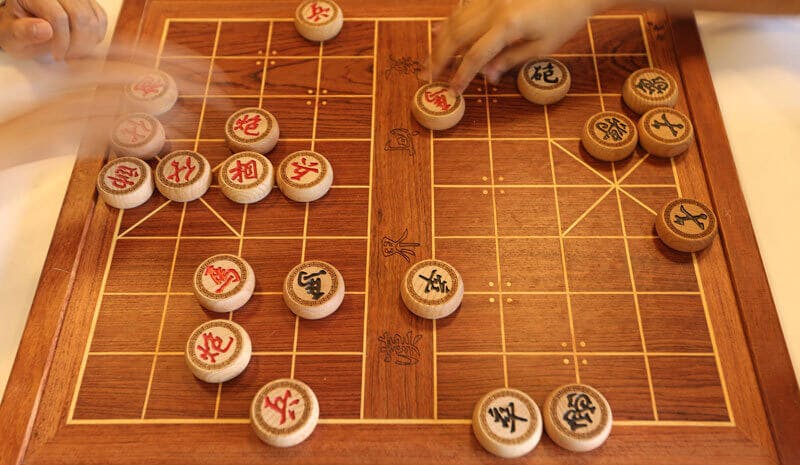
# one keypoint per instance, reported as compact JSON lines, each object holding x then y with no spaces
{"x":47,"y":108}
{"x":65,"y":28}
{"x":497,"y":35}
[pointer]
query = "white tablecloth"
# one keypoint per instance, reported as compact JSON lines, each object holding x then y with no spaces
{"x":755,"y":64}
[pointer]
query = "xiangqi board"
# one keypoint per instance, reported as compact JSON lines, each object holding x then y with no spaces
{"x":565,"y":280}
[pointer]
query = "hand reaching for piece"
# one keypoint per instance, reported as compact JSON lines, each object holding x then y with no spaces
{"x":496,"y":35}
{"x":66,"y":28}
{"x":47,"y":108}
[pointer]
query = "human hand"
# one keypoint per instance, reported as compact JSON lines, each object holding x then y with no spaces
{"x":66,"y":28}
{"x":49,"y":107}
{"x":497,"y":35}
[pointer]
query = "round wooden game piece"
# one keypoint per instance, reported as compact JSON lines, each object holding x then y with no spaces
{"x":507,"y":423}
{"x":577,"y":417}
{"x":665,"y":132}
{"x":246,"y":177}
{"x":154,"y":93}
{"x":223,"y":283}
{"x":183,"y":176}
{"x":304,"y":176}
{"x":284,"y":412}
{"x":218,"y":351}
{"x":436,"y":106}
{"x":609,"y":136}
{"x":544,"y":81}
{"x":138,"y":135}
{"x":648,"y":88}
{"x":252,"y":129}
{"x":125,"y":182}
{"x":313,"y":289}
{"x":686,"y":225}
{"x":318,"y":20}
{"x":432,"y":289}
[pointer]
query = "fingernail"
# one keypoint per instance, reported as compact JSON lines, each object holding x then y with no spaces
{"x":37,"y":31}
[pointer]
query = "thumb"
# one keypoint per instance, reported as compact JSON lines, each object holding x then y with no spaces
{"x":31,"y":30}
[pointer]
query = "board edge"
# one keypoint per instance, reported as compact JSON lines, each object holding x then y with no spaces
{"x":757,"y":311}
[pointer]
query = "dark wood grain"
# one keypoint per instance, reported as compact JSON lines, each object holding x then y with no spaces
{"x":479,"y":187}
{"x":393,"y":199}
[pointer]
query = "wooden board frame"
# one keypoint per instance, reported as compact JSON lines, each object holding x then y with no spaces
{"x":75,"y":244}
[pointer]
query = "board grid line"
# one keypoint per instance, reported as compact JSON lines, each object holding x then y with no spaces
{"x":283,"y":139}
{"x":635,"y":299}
{"x":366,"y":57}
{"x":163,"y":316}
{"x":378,"y":421}
{"x":181,"y":222}
{"x":144,"y":218}
{"x":93,"y":325}
{"x":709,"y":323}
{"x":435,"y":340}
{"x":266,"y":67}
{"x":220,"y":218}
{"x":205,"y":92}
{"x":720,"y":372}
{"x":364,"y":19}
{"x":496,"y":232}
{"x":633,"y":168}
{"x":305,"y":218}
{"x":579,"y":160}
{"x":448,"y":353}
{"x":545,"y":186}
{"x":365,"y":314}
{"x":587,"y":212}
{"x":594,"y":62}
{"x":274,"y":96}
{"x":615,"y":184}
{"x":562,"y":251}
{"x":163,"y":41}
{"x":156,"y":293}
{"x":230,"y":314}
{"x":646,"y":43}
{"x":635,"y":199}
{"x":695,"y":264}
{"x":365,"y":96}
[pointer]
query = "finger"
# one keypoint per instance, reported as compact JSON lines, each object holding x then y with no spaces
{"x":30,"y":31}
{"x":88,"y":73}
{"x":83,"y":26}
{"x":102,"y":18}
{"x":53,"y":123}
{"x":26,"y":37}
{"x":469,"y":10}
{"x":456,"y":32}
{"x":486,"y":48}
{"x":53,"y":13}
{"x":511,"y":57}
{"x":73,"y":76}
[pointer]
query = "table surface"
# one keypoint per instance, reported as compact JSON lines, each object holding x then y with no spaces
{"x":757,"y":102}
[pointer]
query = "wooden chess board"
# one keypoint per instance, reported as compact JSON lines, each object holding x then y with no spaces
{"x":565,"y":280}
